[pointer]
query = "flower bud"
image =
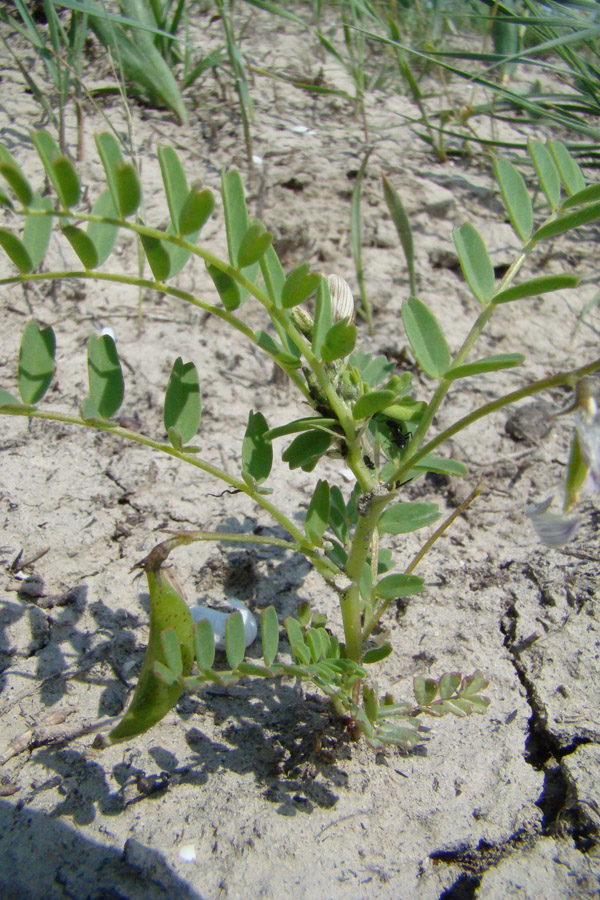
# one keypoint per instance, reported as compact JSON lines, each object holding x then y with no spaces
{"x":342,"y":301}
{"x":303,"y":321}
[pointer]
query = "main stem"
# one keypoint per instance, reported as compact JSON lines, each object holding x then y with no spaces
{"x":357,"y":558}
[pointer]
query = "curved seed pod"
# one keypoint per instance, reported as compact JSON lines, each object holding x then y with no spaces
{"x":152,"y":698}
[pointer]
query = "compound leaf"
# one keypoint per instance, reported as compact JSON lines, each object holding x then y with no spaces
{"x":175,"y":184}
{"x":570,"y":173}
{"x":128,"y":188}
{"x":536,"y":286}
{"x":37,"y":231}
{"x":204,"y":643}
{"x":399,"y":585}
{"x":253,"y":245}
{"x":323,"y":317}
{"x":103,"y":234}
{"x":547,"y":172}
{"x":306,"y":450}
{"x":299,"y":285}
{"x":487,"y":364}
{"x":227,"y":288}
{"x":82,"y":244}
{"x":195,"y":210}
{"x":339,"y":341}
{"x":158,"y":257}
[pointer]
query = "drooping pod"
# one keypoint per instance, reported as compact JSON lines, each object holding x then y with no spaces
{"x":153,"y":698}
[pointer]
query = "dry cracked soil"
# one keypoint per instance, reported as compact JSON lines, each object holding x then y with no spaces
{"x":255,"y":790}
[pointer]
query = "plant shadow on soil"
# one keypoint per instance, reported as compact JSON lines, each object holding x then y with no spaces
{"x":46,"y":859}
{"x":272,"y":731}
{"x":291,"y":742}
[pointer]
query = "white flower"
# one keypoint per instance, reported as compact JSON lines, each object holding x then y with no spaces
{"x":342,"y":301}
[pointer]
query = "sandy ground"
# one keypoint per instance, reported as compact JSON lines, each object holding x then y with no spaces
{"x":268,"y":791}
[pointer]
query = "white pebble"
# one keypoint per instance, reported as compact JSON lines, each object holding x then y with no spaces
{"x":187,"y":853}
{"x":218,"y":621}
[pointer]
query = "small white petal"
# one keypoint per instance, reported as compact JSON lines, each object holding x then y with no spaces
{"x":187,"y":853}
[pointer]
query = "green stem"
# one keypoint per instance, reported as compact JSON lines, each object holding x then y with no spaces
{"x":563,"y":378}
{"x":182,"y":538}
{"x":217,"y":311}
{"x":357,"y":557}
{"x":372,"y":620}
{"x":304,"y":546}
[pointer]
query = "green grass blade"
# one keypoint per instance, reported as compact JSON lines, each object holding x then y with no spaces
{"x":356,"y":239}
{"x":402,"y":225}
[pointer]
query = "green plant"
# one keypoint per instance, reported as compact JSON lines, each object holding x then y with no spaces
{"x":61,"y":52}
{"x":560,"y":38}
{"x":362,"y":411}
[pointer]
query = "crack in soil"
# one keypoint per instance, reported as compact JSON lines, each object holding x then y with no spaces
{"x":562,"y":813}
{"x":475,"y":862}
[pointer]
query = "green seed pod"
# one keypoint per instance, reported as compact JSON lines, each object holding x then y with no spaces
{"x":152,"y":698}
